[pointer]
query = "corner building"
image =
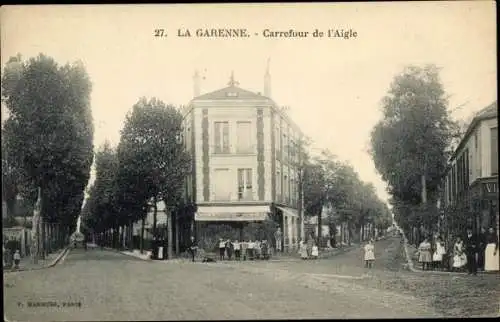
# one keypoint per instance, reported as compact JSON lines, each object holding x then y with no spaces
{"x":471,"y":181}
{"x":245,"y":160}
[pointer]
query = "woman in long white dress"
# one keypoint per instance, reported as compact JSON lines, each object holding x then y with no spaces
{"x":303,"y":250}
{"x":437,"y":257}
{"x":491,"y":253}
{"x":369,"y":254}
{"x":459,"y":256}
{"x":425,"y":254}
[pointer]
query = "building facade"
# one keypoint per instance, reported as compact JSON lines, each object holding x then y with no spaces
{"x":471,"y":182}
{"x":245,"y":163}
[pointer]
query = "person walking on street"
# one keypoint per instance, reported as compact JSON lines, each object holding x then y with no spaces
{"x":369,"y":254}
{"x":17,"y":259}
{"x":193,"y":247}
{"x":222,"y":248}
{"x":425,"y":254}
{"x":471,"y":249}
{"x":491,"y":252}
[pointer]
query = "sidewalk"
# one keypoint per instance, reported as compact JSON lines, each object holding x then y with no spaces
{"x":146,"y":256}
{"x":414,"y":266}
{"x":26,"y":263}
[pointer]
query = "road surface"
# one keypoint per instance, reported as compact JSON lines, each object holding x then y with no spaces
{"x":99,"y":285}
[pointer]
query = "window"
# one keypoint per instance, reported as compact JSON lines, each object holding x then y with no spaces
{"x":277,"y":136}
{"x":477,"y":155}
{"x":245,"y":184}
{"x":494,"y":150}
{"x":222,"y":183}
{"x":278,"y":185}
{"x":286,"y":188}
{"x":221,"y":137}
{"x":466,"y":169}
{"x":244,"y":137}
{"x":188,"y":139}
{"x":285,"y":147}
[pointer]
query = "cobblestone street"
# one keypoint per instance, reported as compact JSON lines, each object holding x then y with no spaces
{"x":105,"y":285}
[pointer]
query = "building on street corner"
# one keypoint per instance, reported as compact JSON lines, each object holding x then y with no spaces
{"x":471,"y":182}
{"x":245,"y":162}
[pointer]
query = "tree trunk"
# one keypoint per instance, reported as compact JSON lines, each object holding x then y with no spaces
{"x":349,"y":233}
{"x":131,"y":235}
{"x":124,"y":236}
{"x":320,"y":226}
{"x":177,"y":233}
{"x":169,"y":232}
{"x":362,"y":232}
{"x":42,"y":239}
{"x":155,"y":212}
{"x":424,"y":190}
{"x":142,"y":235}
{"x":49,"y":238}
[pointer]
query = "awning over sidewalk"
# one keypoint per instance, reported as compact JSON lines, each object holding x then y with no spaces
{"x":289,"y":211}
{"x":232,"y":213}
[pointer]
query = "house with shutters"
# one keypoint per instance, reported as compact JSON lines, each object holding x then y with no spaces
{"x":245,"y":162}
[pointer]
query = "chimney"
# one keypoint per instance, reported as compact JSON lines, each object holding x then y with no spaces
{"x":196,"y":84}
{"x":267,"y":81}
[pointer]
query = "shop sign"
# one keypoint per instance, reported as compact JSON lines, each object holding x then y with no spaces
{"x":490,"y":189}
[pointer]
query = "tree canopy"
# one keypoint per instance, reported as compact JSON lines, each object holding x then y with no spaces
{"x":335,"y":184}
{"x":149,"y":162}
{"x":413,"y":139}
{"x":49,"y":132}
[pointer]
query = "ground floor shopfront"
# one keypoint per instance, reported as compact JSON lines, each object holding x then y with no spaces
{"x":484,"y":203}
{"x":258,"y":221}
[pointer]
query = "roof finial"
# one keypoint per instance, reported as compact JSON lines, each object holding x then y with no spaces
{"x":268,"y":63}
{"x":232,"y":82}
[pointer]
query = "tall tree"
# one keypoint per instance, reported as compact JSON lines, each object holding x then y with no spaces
{"x":410,"y":145}
{"x":151,"y":141}
{"x":51,"y":132}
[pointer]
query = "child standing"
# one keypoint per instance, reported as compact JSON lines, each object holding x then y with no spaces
{"x":369,"y":254}
{"x":17,"y":258}
{"x":222,"y":248}
{"x":437,"y":257}
{"x":425,"y":254}
{"x":237,"y":252}
{"x":314,"y":251}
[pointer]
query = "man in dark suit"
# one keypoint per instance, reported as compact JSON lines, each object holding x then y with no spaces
{"x":471,"y":249}
{"x":193,"y":247}
{"x":481,"y":249}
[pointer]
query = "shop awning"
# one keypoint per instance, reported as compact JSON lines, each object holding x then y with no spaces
{"x":232,"y":213}
{"x":289,"y":211}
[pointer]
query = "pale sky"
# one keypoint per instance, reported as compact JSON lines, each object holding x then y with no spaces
{"x":333,"y":86}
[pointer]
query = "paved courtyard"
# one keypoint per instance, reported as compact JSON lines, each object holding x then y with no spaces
{"x":104,"y":285}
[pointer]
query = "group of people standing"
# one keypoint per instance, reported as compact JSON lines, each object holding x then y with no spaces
{"x":474,"y":252}
{"x":243,"y":250}
{"x":308,"y":250}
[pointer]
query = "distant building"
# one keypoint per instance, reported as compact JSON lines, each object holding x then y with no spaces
{"x":245,"y":153}
{"x":471,"y":181}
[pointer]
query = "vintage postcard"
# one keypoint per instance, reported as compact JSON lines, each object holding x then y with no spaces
{"x":250,"y":161}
